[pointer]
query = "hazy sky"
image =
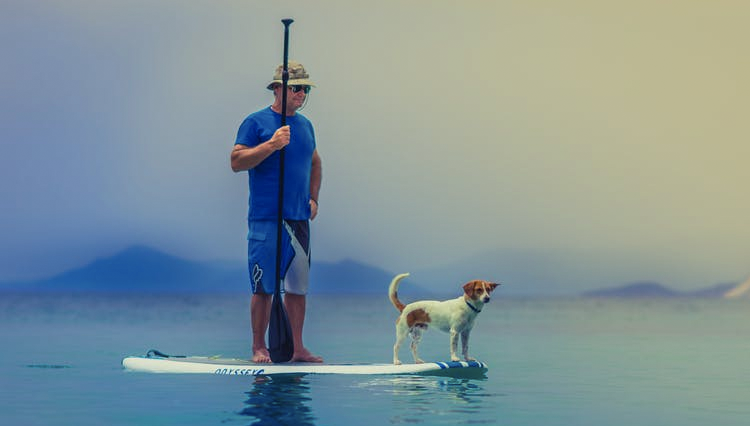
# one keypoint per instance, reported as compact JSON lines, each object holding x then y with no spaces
{"x":610,"y":130}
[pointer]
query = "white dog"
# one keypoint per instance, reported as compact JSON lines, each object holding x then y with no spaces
{"x":454,"y":316}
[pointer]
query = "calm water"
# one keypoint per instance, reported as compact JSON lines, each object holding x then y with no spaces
{"x":552,"y":362}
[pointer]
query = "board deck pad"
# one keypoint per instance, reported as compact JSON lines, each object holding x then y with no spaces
{"x":239,"y":367}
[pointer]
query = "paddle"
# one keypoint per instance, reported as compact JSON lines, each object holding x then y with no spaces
{"x":280,"y":343}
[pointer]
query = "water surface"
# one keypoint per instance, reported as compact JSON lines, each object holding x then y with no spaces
{"x":552,"y":362}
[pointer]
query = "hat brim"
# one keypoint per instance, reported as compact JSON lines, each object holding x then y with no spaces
{"x":292,"y":82}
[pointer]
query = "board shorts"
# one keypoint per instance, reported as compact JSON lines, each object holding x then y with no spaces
{"x":295,"y":256}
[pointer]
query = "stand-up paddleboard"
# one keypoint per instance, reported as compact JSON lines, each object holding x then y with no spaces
{"x":157,"y":362}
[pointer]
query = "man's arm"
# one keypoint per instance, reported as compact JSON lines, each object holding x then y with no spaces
{"x":316,"y":177}
{"x":244,"y":157}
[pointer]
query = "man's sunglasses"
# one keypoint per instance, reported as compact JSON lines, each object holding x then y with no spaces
{"x":299,"y":87}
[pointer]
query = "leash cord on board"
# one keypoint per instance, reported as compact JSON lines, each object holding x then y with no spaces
{"x":153,"y":353}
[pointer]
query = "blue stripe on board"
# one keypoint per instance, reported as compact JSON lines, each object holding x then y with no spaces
{"x":459,"y":364}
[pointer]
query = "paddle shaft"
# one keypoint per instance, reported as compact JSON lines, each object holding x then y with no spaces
{"x":280,"y":340}
{"x":282,"y":154}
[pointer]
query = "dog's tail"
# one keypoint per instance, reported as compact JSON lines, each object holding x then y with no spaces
{"x":393,"y":291}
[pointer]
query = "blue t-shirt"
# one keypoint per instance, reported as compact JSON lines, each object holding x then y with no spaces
{"x":259,"y":127}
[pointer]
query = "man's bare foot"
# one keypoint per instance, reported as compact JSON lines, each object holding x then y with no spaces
{"x":303,"y":355}
{"x":261,"y":356}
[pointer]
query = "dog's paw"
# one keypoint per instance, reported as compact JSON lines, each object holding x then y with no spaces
{"x":396,"y":362}
{"x":470,"y":358}
{"x":455,"y":359}
{"x":419,"y":361}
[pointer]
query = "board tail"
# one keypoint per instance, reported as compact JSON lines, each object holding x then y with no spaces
{"x":393,"y":291}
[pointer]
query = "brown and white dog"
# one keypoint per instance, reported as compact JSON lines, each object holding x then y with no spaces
{"x":455,"y":316}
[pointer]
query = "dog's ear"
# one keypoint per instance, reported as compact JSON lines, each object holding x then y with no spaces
{"x":469,"y":288}
{"x":493,"y":285}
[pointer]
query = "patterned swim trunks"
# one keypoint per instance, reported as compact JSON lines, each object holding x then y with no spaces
{"x":295,"y":256}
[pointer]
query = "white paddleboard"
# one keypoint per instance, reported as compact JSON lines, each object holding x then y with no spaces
{"x":161,"y":363}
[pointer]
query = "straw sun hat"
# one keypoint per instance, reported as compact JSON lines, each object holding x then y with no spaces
{"x":297,"y":75}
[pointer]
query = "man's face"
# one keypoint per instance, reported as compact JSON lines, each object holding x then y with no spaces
{"x":295,"y":96}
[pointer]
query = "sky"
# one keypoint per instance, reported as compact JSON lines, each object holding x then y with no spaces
{"x":612,"y":133}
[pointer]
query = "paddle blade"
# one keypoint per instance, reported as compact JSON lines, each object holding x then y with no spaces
{"x":280,"y":343}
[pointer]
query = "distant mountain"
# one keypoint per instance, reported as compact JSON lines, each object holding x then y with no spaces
{"x":352,"y":277}
{"x":655,"y":290}
{"x":349,"y":276}
{"x":142,"y":269}
{"x":740,"y":290}
{"x":717,"y":291}
{"x":635,"y":290}
{"x":146,"y":270}
{"x":548,"y":272}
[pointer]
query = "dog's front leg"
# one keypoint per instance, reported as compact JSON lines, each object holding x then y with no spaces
{"x":465,"y":345}
{"x":454,"y":345}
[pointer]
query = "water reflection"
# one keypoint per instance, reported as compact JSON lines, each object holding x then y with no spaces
{"x":279,"y":400}
{"x":418,"y":398}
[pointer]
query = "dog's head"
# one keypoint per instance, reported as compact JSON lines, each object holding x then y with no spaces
{"x":479,"y":290}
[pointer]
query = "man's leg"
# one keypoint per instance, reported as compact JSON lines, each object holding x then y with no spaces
{"x":296,"y":284}
{"x":260,"y":314}
{"x":295,"y":308}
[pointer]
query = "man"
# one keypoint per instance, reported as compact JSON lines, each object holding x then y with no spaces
{"x":257,"y":150}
